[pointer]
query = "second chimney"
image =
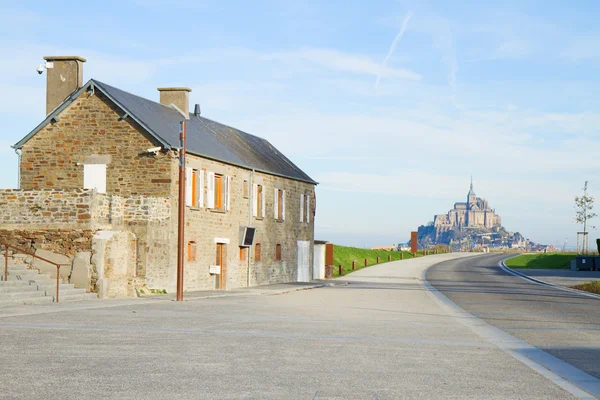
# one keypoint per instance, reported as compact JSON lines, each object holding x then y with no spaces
{"x":64,"y":76}
{"x":178,"y":96}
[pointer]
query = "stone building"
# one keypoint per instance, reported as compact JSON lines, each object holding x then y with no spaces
{"x":474,"y":213}
{"x":99,"y":180}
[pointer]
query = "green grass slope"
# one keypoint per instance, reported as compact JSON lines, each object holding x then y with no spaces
{"x":345,"y":255}
{"x":542,"y":261}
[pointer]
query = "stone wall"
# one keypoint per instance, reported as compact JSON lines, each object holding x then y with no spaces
{"x":206,"y":226}
{"x":91,"y":130}
{"x":145,"y":221}
{"x":50,"y":209}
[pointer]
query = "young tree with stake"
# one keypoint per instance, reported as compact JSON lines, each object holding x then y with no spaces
{"x":584,"y":206}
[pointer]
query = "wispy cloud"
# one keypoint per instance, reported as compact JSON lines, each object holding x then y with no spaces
{"x":395,"y":42}
{"x":336,"y":60}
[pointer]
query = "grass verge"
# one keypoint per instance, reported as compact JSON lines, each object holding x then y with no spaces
{"x":542,"y":261}
{"x":592,"y":287}
{"x":344,"y":256}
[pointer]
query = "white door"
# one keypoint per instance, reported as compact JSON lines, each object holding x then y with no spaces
{"x":94,"y":177}
{"x":303,"y":260}
{"x":319,"y":262}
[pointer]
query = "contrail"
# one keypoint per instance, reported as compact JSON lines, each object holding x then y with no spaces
{"x":393,"y":46}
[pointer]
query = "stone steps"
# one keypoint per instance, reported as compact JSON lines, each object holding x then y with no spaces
{"x":28,"y":286}
{"x":22,"y":295}
{"x":27,"y":301}
{"x":19,"y":288}
{"x":77,"y":297}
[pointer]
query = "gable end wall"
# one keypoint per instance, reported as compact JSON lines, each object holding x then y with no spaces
{"x":90,"y":127}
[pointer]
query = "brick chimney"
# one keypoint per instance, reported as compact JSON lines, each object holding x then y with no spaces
{"x":64,"y":76}
{"x":178,"y":96}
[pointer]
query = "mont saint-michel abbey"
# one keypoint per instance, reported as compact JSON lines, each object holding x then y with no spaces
{"x":474,"y":213}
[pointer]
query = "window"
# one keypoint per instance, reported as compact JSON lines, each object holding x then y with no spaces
{"x":243,"y":253}
{"x":257,"y":252}
{"x":94,"y":177}
{"x":304,"y":208}
{"x":259,"y":201}
{"x":191,"y":251}
{"x":279,"y":204}
{"x":194,"y":187}
{"x":245,"y":189}
{"x":278,"y":252}
{"x":218,"y":191}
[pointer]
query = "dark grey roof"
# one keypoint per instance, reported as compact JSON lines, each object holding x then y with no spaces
{"x":205,"y":138}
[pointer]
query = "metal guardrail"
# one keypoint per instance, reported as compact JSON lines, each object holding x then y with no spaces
{"x":57,"y":265}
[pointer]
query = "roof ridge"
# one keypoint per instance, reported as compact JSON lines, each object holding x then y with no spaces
{"x":129,"y":93}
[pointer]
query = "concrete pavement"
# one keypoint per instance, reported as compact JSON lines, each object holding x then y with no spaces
{"x":382,"y":336}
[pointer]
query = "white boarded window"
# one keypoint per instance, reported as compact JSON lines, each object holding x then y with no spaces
{"x":94,"y":177}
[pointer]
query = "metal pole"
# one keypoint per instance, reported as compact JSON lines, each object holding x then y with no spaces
{"x":181,"y":219}
{"x":57,"y":280}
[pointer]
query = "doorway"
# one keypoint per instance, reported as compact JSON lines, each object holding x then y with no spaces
{"x":221,"y":261}
{"x":303,"y":261}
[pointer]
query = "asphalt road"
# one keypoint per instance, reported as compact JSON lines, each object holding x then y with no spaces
{"x":382,"y":336}
{"x":564,"y":324}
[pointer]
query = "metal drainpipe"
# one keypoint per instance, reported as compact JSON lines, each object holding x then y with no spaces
{"x":18,"y":152}
{"x":250,"y":211}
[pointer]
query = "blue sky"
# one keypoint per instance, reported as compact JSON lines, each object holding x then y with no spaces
{"x":390,"y":105}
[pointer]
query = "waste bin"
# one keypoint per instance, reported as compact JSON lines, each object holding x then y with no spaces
{"x":584,"y":263}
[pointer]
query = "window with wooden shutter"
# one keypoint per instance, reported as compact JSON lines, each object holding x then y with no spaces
{"x":210,"y":190}
{"x":219,"y":200}
{"x":201,"y":188}
{"x":282,"y":202}
{"x":194,"y":188}
{"x":278,"y":252}
{"x":258,"y":201}
{"x":307,"y":208}
{"x":245,"y":189}
{"x":191,"y":251}
{"x":276,"y":203}
{"x":257,"y":252}
{"x":243,"y":253}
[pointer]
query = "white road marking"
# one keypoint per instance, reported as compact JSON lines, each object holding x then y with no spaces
{"x":540,"y":282}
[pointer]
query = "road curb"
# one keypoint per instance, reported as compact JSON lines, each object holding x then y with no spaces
{"x":263,"y":293}
{"x":528,"y":278}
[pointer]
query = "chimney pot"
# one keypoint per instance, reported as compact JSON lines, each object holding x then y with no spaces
{"x":178,"y":96}
{"x":197,"y":110}
{"x":64,"y":76}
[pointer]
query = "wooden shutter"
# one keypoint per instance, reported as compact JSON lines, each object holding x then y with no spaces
{"x":283,"y":205}
{"x":255,"y":200}
{"x":201,"y":189}
{"x":227,"y":193}
{"x":262,"y":196}
{"x":307,"y":208}
{"x":188,"y":186}
{"x":276,"y":204}
{"x":302,"y":207}
{"x":210,"y":189}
